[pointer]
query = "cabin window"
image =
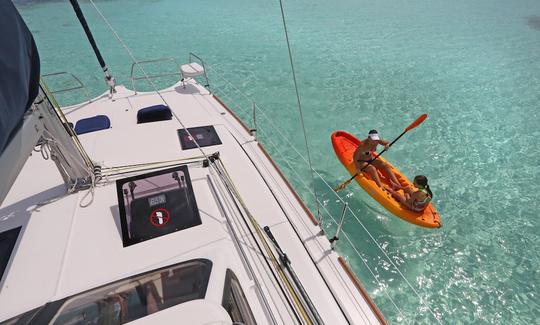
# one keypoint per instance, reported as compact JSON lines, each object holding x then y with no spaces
{"x":234,"y":301}
{"x":156,"y":204}
{"x":7,"y":244}
{"x":130,"y":299}
{"x":205,"y":136}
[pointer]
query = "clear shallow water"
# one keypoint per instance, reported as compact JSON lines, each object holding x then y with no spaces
{"x":473,"y":66}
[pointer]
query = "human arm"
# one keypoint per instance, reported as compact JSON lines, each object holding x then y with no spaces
{"x":384,"y":143}
{"x":356,"y":158}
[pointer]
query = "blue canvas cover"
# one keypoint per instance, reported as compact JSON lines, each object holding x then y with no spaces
{"x":154,"y":114}
{"x":92,"y":124}
{"x":19,"y":71}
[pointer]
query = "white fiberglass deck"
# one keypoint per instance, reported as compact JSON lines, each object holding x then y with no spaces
{"x":64,"y":249}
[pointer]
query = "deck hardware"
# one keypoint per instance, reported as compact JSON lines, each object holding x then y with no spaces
{"x":311,"y":310}
{"x":213,"y":157}
{"x":177,"y":179}
{"x":340,"y":225}
{"x":132,"y":186}
{"x":253,"y":131}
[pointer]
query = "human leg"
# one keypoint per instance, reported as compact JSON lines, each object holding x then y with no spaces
{"x":393,"y":179}
{"x":400,"y":198}
{"x":373,"y":173}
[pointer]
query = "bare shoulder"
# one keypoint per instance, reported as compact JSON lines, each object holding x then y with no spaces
{"x":418,"y":195}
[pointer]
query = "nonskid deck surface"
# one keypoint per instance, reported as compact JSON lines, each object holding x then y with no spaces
{"x":64,"y":249}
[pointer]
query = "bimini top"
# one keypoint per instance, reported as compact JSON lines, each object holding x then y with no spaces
{"x":19,"y":71}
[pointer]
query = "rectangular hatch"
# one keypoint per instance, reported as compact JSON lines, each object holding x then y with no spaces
{"x":205,"y":136}
{"x":156,"y":204}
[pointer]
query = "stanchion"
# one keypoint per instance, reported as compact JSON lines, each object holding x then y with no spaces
{"x":340,"y":225}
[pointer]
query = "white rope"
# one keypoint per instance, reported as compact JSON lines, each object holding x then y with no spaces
{"x":299,"y":107}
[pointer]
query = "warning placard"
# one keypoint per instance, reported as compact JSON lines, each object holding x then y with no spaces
{"x":159,"y":217}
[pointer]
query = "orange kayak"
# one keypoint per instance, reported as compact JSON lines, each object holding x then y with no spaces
{"x":344,"y":145}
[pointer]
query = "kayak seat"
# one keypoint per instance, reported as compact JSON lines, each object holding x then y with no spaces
{"x":92,"y":124}
{"x":154,"y":113}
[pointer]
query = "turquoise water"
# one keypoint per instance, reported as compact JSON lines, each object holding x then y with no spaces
{"x":473,"y":66}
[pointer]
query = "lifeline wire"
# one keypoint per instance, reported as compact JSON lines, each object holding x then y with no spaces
{"x":300,"y":109}
{"x":161,"y":96}
{"x":145,"y":74}
{"x":276,"y":128}
{"x":301,"y":118}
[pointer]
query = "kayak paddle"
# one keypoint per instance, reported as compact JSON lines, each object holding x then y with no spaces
{"x":414,"y":124}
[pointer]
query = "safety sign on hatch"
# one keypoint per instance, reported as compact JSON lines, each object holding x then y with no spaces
{"x":159,"y":217}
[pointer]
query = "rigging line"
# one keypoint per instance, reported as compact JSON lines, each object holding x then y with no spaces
{"x":302,"y":310}
{"x":294,"y":227}
{"x":338,"y":197}
{"x":303,"y":182}
{"x":234,"y":193}
{"x":345,"y":234}
{"x":239,"y":246}
{"x":300,"y":108}
{"x":365,"y":229}
{"x":352,"y":212}
{"x":146,"y":75}
{"x":56,"y":108}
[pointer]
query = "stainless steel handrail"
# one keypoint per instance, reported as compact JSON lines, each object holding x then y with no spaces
{"x":169,"y":59}
{"x":190,"y":59}
{"x":63,"y":90}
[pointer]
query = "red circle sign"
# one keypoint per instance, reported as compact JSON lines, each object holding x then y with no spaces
{"x":159,"y":217}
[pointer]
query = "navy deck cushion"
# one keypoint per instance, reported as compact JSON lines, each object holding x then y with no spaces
{"x":153,"y":114}
{"x":91,"y":124}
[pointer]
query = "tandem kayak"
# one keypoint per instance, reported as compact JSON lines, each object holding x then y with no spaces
{"x":344,"y":145}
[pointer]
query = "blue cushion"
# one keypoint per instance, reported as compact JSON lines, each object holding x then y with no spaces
{"x":91,"y":124}
{"x":153,"y":114}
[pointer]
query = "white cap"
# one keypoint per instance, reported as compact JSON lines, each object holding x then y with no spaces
{"x":374,"y":135}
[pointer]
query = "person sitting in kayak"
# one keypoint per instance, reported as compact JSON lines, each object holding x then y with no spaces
{"x":414,"y":199}
{"x":364,"y":155}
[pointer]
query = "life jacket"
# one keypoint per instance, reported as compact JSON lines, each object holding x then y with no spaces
{"x":419,"y":206}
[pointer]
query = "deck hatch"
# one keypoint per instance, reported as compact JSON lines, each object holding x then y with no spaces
{"x":128,"y":299}
{"x":156,"y":204}
{"x":7,"y":244}
{"x":205,"y":136}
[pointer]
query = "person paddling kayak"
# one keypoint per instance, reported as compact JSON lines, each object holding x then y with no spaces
{"x":414,"y":199}
{"x":365,"y":154}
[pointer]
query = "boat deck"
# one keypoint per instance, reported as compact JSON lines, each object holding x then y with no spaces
{"x":64,"y":249}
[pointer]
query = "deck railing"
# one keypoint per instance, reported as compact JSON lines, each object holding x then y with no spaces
{"x":246,"y":108}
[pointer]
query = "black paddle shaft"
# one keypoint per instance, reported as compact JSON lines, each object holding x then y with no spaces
{"x":378,"y":155}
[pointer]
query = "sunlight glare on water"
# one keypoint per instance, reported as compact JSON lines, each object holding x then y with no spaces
{"x":473,"y":66}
